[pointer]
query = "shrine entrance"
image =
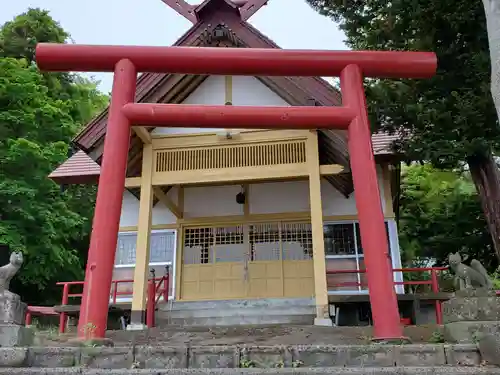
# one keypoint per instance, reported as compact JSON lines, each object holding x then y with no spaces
{"x":264,"y":260}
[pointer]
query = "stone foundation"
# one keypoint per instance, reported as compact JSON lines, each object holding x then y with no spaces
{"x":12,"y":309}
{"x":12,"y":319}
{"x":317,"y":356}
{"x":469,"y":314}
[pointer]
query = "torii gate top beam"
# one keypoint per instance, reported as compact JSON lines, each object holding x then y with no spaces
{"x":236,"y":61}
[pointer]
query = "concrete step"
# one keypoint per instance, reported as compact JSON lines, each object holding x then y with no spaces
{"x":243,"y":312}
{"x":270,"y":311}
{"x":240,"y":304}
{"x":238,"y":320}
{"x":256,"y":371}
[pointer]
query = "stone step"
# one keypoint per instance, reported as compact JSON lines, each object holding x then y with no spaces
{"x":237,"y":356}
{"x":240,"y":304}
{"x":232,"y":320}
{"x":256,"y":371}
{"x":264,"y":335}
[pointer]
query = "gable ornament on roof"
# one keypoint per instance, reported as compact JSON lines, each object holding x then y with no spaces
{"x":220,"y":34}
{"x":246,"y":8}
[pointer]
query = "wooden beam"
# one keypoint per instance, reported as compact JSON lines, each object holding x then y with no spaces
{"x":163,"y":198}
{"x":250,"y":8}
{"x":227,"y":175}
{"x":143,"y":134}
{"x":319,"y":262}
{"x":138,"y":312}
{"x":183,"y":8}
{"x":330,"y":169}
{"x":132,"y":182}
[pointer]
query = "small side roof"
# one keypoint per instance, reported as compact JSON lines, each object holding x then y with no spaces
{"x":78,"y":169}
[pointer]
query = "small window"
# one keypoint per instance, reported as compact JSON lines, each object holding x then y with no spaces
{"x":161,"y":245}
{"x":344,"y":253}
{"x":339,"y":239}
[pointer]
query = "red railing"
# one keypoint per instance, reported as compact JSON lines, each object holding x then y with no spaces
{"x":157,"y":288}
{"x":433,"y":282}
{"x":38,"y":311}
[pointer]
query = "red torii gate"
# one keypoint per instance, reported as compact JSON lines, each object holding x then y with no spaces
{"x":126,"y":62}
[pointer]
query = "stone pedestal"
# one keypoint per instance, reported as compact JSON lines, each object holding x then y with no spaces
{"x":470,"y":314}
{"x":12,"y":309}
{"x":12,"y":318}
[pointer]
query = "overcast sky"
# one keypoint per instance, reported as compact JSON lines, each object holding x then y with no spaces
{"x":290,"y":23}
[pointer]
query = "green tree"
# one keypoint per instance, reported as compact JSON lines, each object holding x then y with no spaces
{"x":19,"y":37}
{"x":39,"y":115}
{"x":441,"y":213}
{"x":450,"y":119}
{"x":34,"y":136}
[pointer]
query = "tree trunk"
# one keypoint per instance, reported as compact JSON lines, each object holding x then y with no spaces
{"x":492,"y":12}
{"x":486,"y":177}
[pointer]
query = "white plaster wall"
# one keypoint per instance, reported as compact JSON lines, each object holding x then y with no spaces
{"x":212,"y":201}
{"x":293,"y":196}
{"x":267,"y":198}
{"x":212,"y":91}
{"x":130,"y":211}
{"x":251,"y":91}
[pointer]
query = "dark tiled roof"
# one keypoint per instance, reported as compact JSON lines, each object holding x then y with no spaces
{"x":79,"y":168}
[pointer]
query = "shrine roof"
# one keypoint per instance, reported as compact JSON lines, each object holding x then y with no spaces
{"x":78,"y":169}
{"x":221,"y":25}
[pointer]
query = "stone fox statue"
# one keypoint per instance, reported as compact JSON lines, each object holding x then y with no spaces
{"x":8,"y":271}
{"x":468,"y":277}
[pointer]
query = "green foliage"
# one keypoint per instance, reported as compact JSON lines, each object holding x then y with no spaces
{"x":446,"y":118}
{"x":437,"y":337}
{"x":440,"y":213}
{"x":19,"y":37}
{"x":39,"y":115}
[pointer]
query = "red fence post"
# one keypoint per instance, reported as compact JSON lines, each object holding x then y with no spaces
{"x":151,"y":302}
{"x":62,"y":316}
{"x":101,"y":257}
{"x":166,"y":284}
{"x":383,"y":300}
{"x":27,"y":321}
{"x":115,"y":290}
{"x":435,"y":289}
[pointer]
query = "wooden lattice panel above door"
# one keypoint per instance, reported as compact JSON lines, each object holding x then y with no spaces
{"x":234,"y":156}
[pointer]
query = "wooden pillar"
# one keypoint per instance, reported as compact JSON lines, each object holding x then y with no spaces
{"x":387,"y":188}
{"x":319,"y":261}
{"x":179,"y":246}
{"x":141,"y":271}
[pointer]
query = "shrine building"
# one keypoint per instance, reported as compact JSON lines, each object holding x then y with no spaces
{"x":230,"y":212}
